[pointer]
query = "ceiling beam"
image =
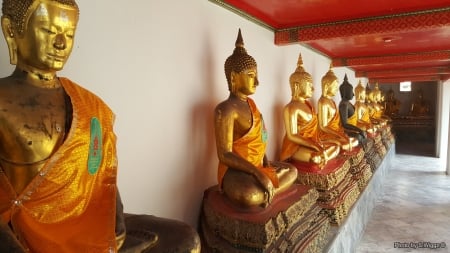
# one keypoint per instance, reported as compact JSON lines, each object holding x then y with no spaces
{"x":393,"y":59}
{"x":413,"y":21}
{"x":404,"y":72}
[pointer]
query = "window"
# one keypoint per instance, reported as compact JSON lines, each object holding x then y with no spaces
{"x":405,"y":86}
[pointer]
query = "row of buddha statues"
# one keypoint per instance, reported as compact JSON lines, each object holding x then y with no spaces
{"x":58,"y":159}
{"x":418,"y":107}
{"x":315,"y":137}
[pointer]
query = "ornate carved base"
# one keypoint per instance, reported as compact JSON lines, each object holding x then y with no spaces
{"x":371,"y":155}
{"x":379,"y":147}
{"x":359,"y":168}
{"x":337,"y":209}
{"x":283,"y":225}
{"x":326,"y":178}
{"x":337,"y":190}
{"x":362,"y":176}
{"x":387,"y":138}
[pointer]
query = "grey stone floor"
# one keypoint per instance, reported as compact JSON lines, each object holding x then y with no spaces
{"x":413,"y":213}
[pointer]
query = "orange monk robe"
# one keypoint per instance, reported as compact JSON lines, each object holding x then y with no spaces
{"x":365,"y":117}
{"x":252,"y":146}
{"x":69,"y":207}
{"x":307,"y":131}
{"x":334,"y":124}
{"x":353,"y":120}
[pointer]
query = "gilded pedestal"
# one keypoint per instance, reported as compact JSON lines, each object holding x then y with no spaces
{"x":292,"y":221}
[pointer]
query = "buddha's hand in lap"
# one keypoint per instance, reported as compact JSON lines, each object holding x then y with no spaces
{"x":267,"y":184}
{"x":317,"y":158}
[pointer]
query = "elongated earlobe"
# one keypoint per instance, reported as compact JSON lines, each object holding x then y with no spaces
{"x":232,"y":81}
{"x":8,"y":32}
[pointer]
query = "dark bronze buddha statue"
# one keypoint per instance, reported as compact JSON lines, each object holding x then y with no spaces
{"x":348,"y":113}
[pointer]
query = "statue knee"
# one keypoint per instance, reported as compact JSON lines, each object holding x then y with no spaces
{"x":242,"y":189}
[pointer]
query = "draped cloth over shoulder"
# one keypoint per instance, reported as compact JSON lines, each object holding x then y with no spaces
{"x":69,"y":207}
{"x":308,"y":131}
{"x":352,"y":120}
{"x":335,"y":124}
{"x":252,"y":146}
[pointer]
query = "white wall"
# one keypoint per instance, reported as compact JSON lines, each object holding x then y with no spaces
{"x":159,"y":65}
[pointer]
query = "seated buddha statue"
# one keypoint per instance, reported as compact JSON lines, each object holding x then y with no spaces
{"x":245,"y":175}
{"x":375,"y":111}
{"x":58,"y":163}
{"x":301,"y":142}
{"x":391,"y":104}
{"x":362,"y":110}
{"x":378,"y":104}
{"x":347,"y":112}
{"x":420,"y":107}
{"x":328,"y":114}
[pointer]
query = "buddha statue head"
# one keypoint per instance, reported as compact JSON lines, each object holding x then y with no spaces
{"x":301,"y":81}
{"x":329,"y":83}
{"x":346,"y":90}
{"x":238,"y":62}
{"x":369,"y":94}
{"x":360,"y":92}
{"x":39,"y":33}
{"x":377,"y":94}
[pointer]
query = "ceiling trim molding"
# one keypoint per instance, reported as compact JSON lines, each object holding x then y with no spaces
{"x":431,"y":78}
{"x":387,"y":59}
{"x":404,"y":72}
{"x":411,"y":21}
{"x":242,"y":14}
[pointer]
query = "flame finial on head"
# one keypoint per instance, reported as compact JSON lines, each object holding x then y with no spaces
{"x":300,"y":75}
{"x":239,"y":39}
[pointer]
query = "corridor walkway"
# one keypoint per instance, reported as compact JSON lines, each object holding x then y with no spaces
{"x":413,"y":213}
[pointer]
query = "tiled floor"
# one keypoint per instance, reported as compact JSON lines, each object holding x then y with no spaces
{"x":413,"y":211}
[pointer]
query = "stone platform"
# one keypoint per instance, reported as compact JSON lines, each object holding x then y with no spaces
{"x":292,"y":221}
{"x":345,"y":238}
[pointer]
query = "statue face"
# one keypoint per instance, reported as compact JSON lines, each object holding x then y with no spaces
{"x":332,"y":88}
{"x":47,"y":40}
{"x":361,"y":96}
{"x":306,"y":89}
{"x":244,"y":82}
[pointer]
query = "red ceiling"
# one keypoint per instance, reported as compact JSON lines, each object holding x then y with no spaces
{"x":386,"y":40}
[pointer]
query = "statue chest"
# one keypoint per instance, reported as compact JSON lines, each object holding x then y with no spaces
{"x":32,"y":127}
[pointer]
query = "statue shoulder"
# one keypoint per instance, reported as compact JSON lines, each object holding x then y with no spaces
{"x":225,"y":109}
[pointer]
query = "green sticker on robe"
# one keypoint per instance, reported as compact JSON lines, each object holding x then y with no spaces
{"x":264,"y":134}
{"x":95,"y":146}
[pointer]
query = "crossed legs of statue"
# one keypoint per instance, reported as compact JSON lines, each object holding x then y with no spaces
{"x":151,"y":234}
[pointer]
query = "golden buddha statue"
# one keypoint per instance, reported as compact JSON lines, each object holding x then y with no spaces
{"x":362,"y":110}
{"x":58,"y":164}
{"x":420,"y":107}
{"x":245,"y":175}
{"x":378,"y":104}
{"x":329,"y":120}
{"x":375,"y":109}
{"x":301,"y":142}
{"x":347,"y":112}
{"x":391,"y":104}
